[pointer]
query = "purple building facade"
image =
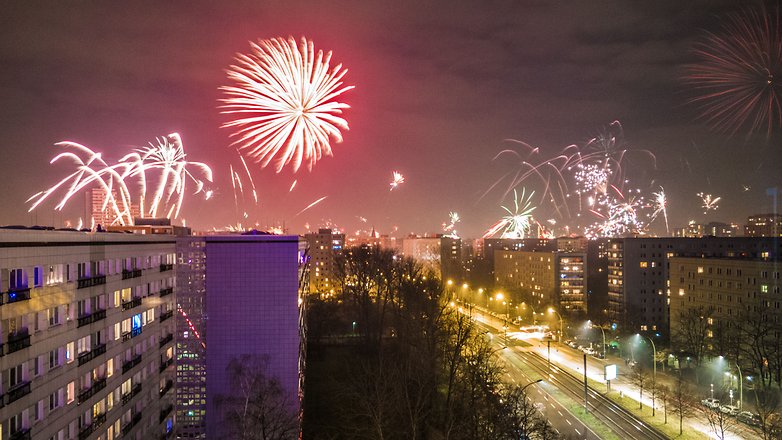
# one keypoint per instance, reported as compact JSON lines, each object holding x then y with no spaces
{"x":253,"y":307}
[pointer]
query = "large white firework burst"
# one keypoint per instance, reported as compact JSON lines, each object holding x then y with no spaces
{"x":284,"y":99}
{"x":518,"y":223}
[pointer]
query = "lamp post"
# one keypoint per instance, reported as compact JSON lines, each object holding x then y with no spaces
{"x":604,"y":336}
{"x":524,"y":396}
{"x":561,"y":324}
{"x":533,"y":311}
{"x":654,"y":370}
{"x":741,"y":386}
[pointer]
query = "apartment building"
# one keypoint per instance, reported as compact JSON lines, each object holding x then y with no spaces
{"x":87,"y":335}
{"x":323,"y":248}
{"x":440,"y":253}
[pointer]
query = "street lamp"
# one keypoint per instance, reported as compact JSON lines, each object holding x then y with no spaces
{"x":531,"y":383}
{"x":531,"y":308}
{"x":561,"y":324}
{"x":741,"y":386}
{"x":654,"y":371}
{"x":604,"y":335}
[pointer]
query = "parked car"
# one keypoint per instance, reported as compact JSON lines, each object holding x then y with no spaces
{"x":732,"y":410}
{"x":749,"y":418}
{"x":711,"y":403}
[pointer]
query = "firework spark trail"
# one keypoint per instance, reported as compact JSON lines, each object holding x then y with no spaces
{"x":518,"y":222}
{"x":284,"y":96}
{"x":397,"y":180}
{"x":293,"y":185}
{"x":709,"y":202}
{"x":310,"y":205}
{"x":450,"y":227}
{"x":660,"y":205}
{"x":738,"y":73}
{"x":250,"y":178}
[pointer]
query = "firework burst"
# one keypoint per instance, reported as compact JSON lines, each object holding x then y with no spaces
{"x":519,"y":222}
{"x":660,"y":206}
{"x":396,"y":180}
{"x":709,"y":202}
{"x":284,"y":99}
{"x":450,"y":227}
{"x":165,"y":161}
{"x":738,"y":74}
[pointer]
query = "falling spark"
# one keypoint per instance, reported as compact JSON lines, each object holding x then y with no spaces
{"x":293,"y":185}
{"x":397,"y":180}
{"x":250,"y":178}
{"x":311,"y":205}
{"x":746,"y":188}
{"x":284,"y":96}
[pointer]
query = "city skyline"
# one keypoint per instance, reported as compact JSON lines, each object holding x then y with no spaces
{"x":435,"y":100}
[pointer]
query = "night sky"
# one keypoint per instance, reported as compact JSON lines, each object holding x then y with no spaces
{"x":439,"y":87}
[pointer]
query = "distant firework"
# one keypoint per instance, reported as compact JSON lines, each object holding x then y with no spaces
{"x":660,"y":206}
{"x":284,"y":97}
{"x":518,"y":223}
{"x":396,"y":180}
{"x":709,"y":202}
{"x":583,"y":187}
{"x":738,"y":73}
{"x":163,"y":163}
{"x":450,"y":227}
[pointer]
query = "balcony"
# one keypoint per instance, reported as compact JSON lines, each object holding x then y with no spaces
{"x":23,"y":434}
{"x":135,"y":302}
{"x":128,"y":274}
{"x":126,"y":429}
{"x":18,"y":294}
{"x":127,"y":366}
{"x":166,"y":315}
{"x":165,"y":364}
{"x":167,"y":291}
{"x":166,"y":340}
{"x":165,"y":412}
{"x":133,"y":393}
{"x":89,"y":392}
{"x":97,"y":280}
{"x":132,"y":334}
{"x":18,"y":392}
{"x":85,"y":357}
{"x":166,"y":267}
{"x":169,"y":384}
{"x":93,"y":317}
{"x":88,"y":430}
{"x":18,"y":341}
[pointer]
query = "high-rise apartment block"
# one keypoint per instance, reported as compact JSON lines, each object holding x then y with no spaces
{"x":96,"y":209}
{"x":87,"y":335}
{"x":441,"y":253}
{"x":323,"y":248}
{"x":254,"y":297}
{"x":764,"y":225}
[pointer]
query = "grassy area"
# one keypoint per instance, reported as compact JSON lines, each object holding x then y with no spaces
{"x":671,"y":429}
{"x":577,"y":409}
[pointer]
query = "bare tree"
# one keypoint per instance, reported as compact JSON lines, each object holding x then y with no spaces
{"x":522,"y":420}
{"x":767,"y":406}
{"x":665,"y":395}
{"x":691,"y":331}
{"x":640,"y":378}
{"x":719,"y":422}
{"x":257,"y":407}
{"x":681,"y":398}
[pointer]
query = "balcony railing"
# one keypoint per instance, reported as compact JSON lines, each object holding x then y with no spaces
{"x":85,"y":357}
{"x":96,"y":280}
{"x":126,"y":429}
{"x":89,"y":392}
{"x":18,"y":341}
{"x":18,"y":294}
{"x":18,"y":392}
{"x":169,"y":384}
{"x":166,"y":315}
{"x":24,"y":434}
{"x":131,"y":363}
{"x":96,"y":423}
{"x":135,"y":302}
{"x":127,"y":274}
{"x":166,"y":291}
{"x":133,"y":393}
{"x":132,"y":334}
{"x":165,"y":267}
{"x":165,"y":412}
{"x":93,"y":317}
{"x":166,"y":340}
{"x":165,"y":364}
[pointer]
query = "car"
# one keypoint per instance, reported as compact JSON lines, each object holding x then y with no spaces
{"x":711,"y":403}
{"x":749,"y":418}
{"x":732,"y":410}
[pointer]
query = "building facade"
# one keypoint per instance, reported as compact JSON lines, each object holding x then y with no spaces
{"x":88,"y":339}
{"x":764,"y":225}
{"x":442,"y":254}
{"x":323,"y":248}
{"x":254,"y":299}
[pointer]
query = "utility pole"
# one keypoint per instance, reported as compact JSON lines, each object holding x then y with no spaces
{"x":586,"y":386}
